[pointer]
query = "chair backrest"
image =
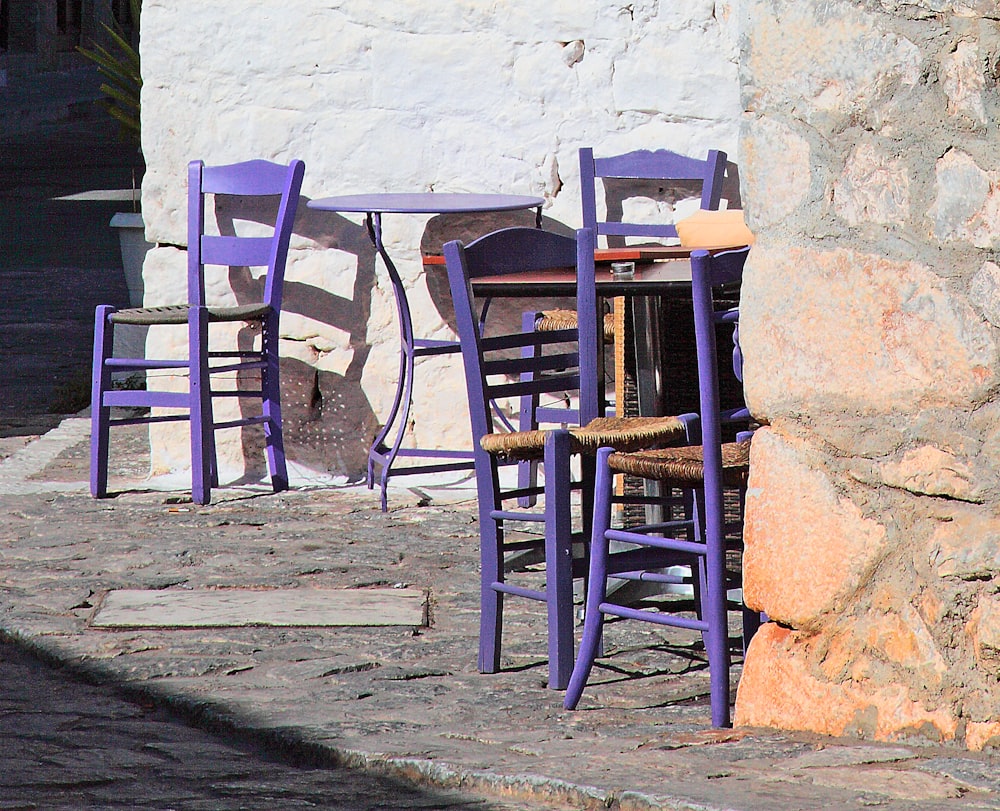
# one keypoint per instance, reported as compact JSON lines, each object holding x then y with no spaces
{"x":255,"y":178}
{"x":497,"y":366}
{"x":713,"y":282}
{"x":645,"y":165}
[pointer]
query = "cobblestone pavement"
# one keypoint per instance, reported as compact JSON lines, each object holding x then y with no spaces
{"x":402,"y":710}
{"x":405,"y":702}
{"x":68,"y":745}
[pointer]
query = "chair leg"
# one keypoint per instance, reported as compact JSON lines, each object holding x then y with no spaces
{"x":202,"y":438}
{"x":715,"y":610}
{"x":527,"y":472}
{"x":597,"y":582}
{"x":271,"y":386}
{"x":558,"y":558}
{"x":490,"y":567}
{"x":100,"y":415}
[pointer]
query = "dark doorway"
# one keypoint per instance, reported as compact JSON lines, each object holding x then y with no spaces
{"x":69,"y":14}
{"x":4,"y":23}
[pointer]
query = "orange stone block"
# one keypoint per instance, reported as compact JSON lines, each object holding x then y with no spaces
{"x":980,"y":734}
{"x":808,"y":548}
{"x":778,"y":689}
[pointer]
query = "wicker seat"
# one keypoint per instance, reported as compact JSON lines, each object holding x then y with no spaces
{"x":175,"y":314}
{"x":684,"y":467}
{"x":622,"y":433}
{"x":552,"y":320}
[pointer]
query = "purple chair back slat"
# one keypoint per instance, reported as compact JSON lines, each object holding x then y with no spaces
{"x":511,"y":250}
{"x":644,"y":164}
{"x":256,"y":177}
{"x":519,"y":340}
{"x":632,"y":229}
{"x":545,"y":363}
{"x":237,"y":251}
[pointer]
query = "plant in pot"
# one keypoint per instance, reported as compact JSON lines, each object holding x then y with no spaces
{"x":118,"y":62}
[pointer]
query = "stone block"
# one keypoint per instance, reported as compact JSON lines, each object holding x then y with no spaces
{"x":965,"y":543}
{"x":894,"y":631}
{"x":808,"y":548}
{"x":779,"y":689}
{"x":777,"y":170}
{"x":873,"y":188}
{"x":966,"y":207}
{"x":964,"y":81}
{"x":929,"y":471}
{"x":857,"y":334}
{"x":984,"y":292}
{"x":823,"y":73}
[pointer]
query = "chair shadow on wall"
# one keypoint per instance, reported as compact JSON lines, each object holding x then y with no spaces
{"x":326,"y":417}
{"x":467,"y":227}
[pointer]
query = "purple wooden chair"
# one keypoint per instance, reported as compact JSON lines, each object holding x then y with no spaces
{"x":705,"y":471}
{"x":256,"y":178}
{"x":633,"y":173}
{"x":498,"y":367}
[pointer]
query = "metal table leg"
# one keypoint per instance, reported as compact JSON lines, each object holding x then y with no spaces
{"x":380,"y":452}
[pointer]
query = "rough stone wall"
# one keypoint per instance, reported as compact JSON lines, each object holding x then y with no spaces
{"x":870,"y":327}
{"x":401,"y":95}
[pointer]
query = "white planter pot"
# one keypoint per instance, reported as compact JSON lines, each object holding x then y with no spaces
{"x":130,"y":340}
{"x":132,"y":238}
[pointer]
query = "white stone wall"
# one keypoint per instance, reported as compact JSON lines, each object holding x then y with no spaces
{"x":396,"y":95}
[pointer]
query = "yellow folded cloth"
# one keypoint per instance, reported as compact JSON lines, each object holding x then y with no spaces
{"x":711,"y":229}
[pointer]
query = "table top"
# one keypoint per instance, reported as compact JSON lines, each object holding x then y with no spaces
{"x":650,"y":279}
{"x":635,"y":253}
{"x":425,"y":203}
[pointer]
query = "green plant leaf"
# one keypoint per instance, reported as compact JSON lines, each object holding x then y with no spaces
{"x":121,"y":96}
{"x":118,"y":62}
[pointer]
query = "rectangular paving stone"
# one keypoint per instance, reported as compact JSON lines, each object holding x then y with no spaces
{"x":216,"y":608}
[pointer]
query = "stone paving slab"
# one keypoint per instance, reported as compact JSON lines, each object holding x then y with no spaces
{"x":232,"y":608}
{"x":407,"y":701}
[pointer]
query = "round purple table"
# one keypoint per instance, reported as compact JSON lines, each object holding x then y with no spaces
{"x":373,"y":206}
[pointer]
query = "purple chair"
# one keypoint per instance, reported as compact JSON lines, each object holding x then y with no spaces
{"x":509,"y":365}
{"x":705,"y":472}
{"x":256,"y":178}
{"x":622,"y":176}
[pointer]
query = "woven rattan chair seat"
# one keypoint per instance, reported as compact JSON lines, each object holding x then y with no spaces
{"x":683,"y":466}
{"x":178,"y":314}
{"x":622,"y":433}
{"x":553,"y":320}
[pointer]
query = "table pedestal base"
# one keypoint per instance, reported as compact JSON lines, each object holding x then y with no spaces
{"x":383,"y":455}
